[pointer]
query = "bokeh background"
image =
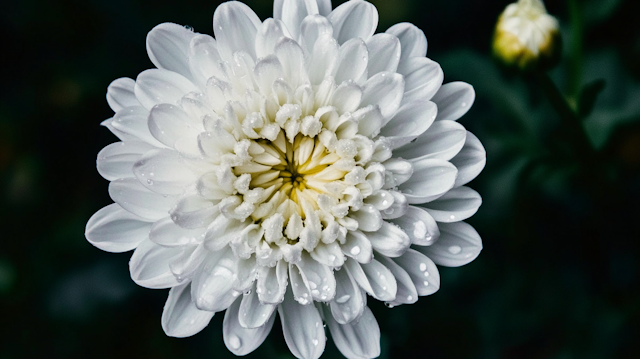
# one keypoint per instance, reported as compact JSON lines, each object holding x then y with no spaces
{"x":559,"y":275}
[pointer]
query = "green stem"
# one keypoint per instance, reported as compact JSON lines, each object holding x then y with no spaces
{"x":568,"y":115}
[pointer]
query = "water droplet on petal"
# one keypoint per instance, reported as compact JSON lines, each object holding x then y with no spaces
{"x":388,"y":305}
{"x":455,"y":249}
{"x":410,"y":298}
{"x":355,"y":250}
{"x":234,"y":342}
{"x":150,"y":182}
{"x":315,"y":342}
{"x":423,"y":267}
{"x":343,"y":299}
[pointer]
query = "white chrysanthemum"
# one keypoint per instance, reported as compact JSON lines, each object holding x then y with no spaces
{"x":296,"y":164}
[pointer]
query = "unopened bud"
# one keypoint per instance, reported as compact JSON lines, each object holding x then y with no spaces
{"x":526,"y":36}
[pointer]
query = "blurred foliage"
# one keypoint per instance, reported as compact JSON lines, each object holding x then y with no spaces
{"x":559,"y":276}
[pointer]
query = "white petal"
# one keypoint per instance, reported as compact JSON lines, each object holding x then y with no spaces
{"x":430,"y":180}
{"x":422,"y":270}
{"x":137,"y":199}
{"x":180,"y":317}
{"x":411,"y":121}
{"x":374,"y":278}
{"x":164,"y":172}
{"x":192,"y":256}
{"x":423,"y":77}
{"x":212,"y":286}
{"x":168,"y":234}
{"x":268,"y":36}
{"x":358,"y":247}
{"x":329,"y":254}
{"x":390,"y":240}
{"x":419,"y":225}
{"x":294,"y":11}
{"x":115,"y":230}
{"x":358,"y":339}
{"x":384,"y":53}
{"x":235,"y":26}
{"x":470,"y":160}
{"x":412,"y":40}
{"x":204,"y":59}
{"x":324,"y":7}
{"x":252,"y":313}
{"x":302,"y":327}
{"x":349,"y":301}
{"x":353,"y":58}
{"x":456,"y":205}
{"x":347,"y":97}
{"x":368,"y":217}
{"x":354,"y":19}
{"x":299,"y":286}
{"x":116,"y":160}
{"x":311,"y":28}
{"x":222,"y":231}
{"x":323,"y":58}
{"x":169,"y":124}
{"x":267,"y":71}
{"x":454,"y":100}
{"x":132,"y":121}
{"x":193,"y":211}
{"x":443,"y":140}
{"x":318,"y":277}
{"x":291,"y":57}
{"x":168,"y":47}
{"x":272,"y":283}
{"x":120,"y":94}
{"x":149,"y":265}
{"x":406,"y":293}
{"x":370,"y":120}
{"x":157,"y":86}
{"x":384,"y":89}
{"x":458,"y":245}
{"x":239,"y":340}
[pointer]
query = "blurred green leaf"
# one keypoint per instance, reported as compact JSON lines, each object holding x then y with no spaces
{"x":589,"y":95}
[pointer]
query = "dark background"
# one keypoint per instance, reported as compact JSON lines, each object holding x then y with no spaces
{"x":559,"y":274}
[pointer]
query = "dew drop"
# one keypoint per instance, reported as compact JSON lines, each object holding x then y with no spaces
{"x":423,"y":267}
{"x":355,"y":250}
{"x":234,"y":342}
{"x":388,"y":305}
{"x":343,"y":299}
{"x":410,"y":298}
{"x":464,"y":104}
{"x":455,"y":249}
{"x":426,"y":284}
{"x":315,"y":342}
{"x":312,"y":285}
{"x":452,"y":217}
{"x":150,"y":182}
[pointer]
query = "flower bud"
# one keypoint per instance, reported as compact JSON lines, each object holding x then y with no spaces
{"x":526,"y":36}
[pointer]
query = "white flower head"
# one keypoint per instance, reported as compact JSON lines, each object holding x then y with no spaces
{"x":526,"y":35}
{"x":297,"y":164}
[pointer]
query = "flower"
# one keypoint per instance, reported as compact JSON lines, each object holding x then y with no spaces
{"x":526,"y":35}
{"x":294,"y":165}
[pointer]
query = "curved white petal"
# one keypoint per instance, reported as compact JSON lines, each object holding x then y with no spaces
{"x":180,"y":317}
{"x":168,"y":47}
{"x":238,"y":339}
{"x":412,"y":40}
{"x":323,"y":58}
{"x":120,"y":94}
{"x":323,"y":6}
{"x":132,"y":121}
{"x":470,"y":160}
{"x":368,"y":217}
{"x":389,"y":240}
{"x":252,"y":313}
{"x":293,"y":12}
{"x":358,"y":247}
{"x":204,"y":59}
{"x":354,"y":19}
{"x":456,"y":205}
{"x":302,"y":327}
{"x":443,"y":140}
{"x":458,"y":245}
{"x":329,"y":254}
{"x":193,"y":211}
{"x":422,"y":270}
{"x":423,"y":77}
{"x":430,"y":180}
{"x":137,"y":199}
{"x":116,"y":160}
{"x":384,"y":89}
{"x":406,"y":293}
{"x":353,"y":58}
{"x":291,"y":57}
{"x":454,"y":100}
{"x":349,"y":302}
{"x":164,"y":172}
{"x":318,"y":277}
{"x":419,"y":225}
{"x":272,"y":283}
{"x":411,"y":121}
{"x":168,"y":234}
{"x":115,"y":230}
{"x":212,"y":286}
{"x":310,"y":30}
{"x":235,"y":26}
{"x":170,"y":124}
{"x":149,"y":265}
{"x":374,"y":278}
{"x":269,"y":35}
{"x":157,"y":86}
{"x":358,"y":339}
{"x":384,"y":53}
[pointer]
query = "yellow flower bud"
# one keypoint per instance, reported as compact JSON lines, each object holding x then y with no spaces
{"x":526,"y":36}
